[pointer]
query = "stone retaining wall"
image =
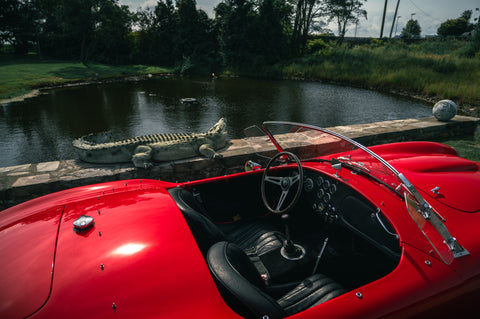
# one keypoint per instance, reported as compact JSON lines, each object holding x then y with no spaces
{"x":23,"y":182}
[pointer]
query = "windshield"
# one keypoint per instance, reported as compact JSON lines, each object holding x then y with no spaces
{"x":312,"y":143}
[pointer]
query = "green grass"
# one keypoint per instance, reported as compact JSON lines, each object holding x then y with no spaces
{"x":466,"y":148}
{"x":431,"y":69}
{"x":18,"y":77}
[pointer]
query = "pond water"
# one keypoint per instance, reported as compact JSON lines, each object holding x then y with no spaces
{"x":42,"y":128}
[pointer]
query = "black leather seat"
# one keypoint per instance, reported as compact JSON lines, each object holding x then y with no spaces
{"x":246,"y":293}
{"x":255,"y":237}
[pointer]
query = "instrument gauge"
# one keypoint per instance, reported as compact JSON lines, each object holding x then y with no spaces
{"x":333,"y":188}
{"x":319,"y":181}
{"x":308,"y":184}
{"x":327,"y":198}
{"x":320,"y":193}
{"x":326,"y":184}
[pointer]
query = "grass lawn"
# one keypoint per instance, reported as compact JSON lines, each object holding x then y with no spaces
{"x":19,"y":77}
{"x":466,"y":148}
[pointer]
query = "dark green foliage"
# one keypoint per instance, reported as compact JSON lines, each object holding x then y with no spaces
{"x":454,"y":27}
{"x":412,"y":30}
{"x":235,"y":20}
{"x":155,"y":40}
{"x":84,"y":30}
{"x":344,"y":13}
{"x":180,"y":36}
{"x":252,"y":34}
{"x":18,"y":24}
{"x":271,"y":41}
{"x":247,"y":36}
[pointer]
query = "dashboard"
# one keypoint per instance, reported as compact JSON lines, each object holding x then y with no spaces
{"x":335,"y":202}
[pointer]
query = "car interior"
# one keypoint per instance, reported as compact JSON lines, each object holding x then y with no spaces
{"x":331,"y":241}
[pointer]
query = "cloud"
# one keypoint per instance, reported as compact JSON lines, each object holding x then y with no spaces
{"x":139,"y":4}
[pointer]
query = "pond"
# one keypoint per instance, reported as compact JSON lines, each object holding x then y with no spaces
{"x":42,"y":128}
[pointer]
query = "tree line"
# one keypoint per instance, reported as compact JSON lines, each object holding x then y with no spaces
{"x":175,"y":33}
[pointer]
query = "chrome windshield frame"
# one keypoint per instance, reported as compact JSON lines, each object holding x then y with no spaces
{"x":313,"y":127}
{"x":424,"y":209}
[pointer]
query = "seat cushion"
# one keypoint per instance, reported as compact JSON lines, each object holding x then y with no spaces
{"x":240,"y":283}
{"x":313,"y":291}
{"x":254,"y":236}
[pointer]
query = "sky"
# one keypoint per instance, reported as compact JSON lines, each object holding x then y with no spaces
{"x":429,"y":14}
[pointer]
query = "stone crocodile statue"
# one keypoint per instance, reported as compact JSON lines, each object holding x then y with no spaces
{"x":142,"y":150}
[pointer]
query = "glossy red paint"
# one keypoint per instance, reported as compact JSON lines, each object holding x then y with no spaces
{"x":27,"y":250}
{"x":432,"y":165}
{"x":140,"y":260}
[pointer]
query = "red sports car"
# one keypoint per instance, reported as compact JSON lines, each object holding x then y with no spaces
{"x":318,"y":226}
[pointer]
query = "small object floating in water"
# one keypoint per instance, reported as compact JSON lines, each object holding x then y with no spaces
{"x":189,"y":100}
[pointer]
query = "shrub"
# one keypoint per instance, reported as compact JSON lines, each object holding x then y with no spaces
{"x":319,"y":47}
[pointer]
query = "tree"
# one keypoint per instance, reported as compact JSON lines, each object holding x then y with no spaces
{"x":344,"y":13}
{"x":82,"y":29}
{"x":412,"y":30}
{"x":272,"y":23}
{"x":18,"y":24}
{"x":112,"y":27}
{"x":196,"y":41}
{"x":456,"y":27}
{"x":157,"y":34}
{"x":305,"y":12}
{"x":235,"y":20}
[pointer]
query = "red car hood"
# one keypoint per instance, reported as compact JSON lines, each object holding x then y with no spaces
{"x":437,"y":172}
{"x":127,"y":265}
{"x":440,"y":178}
{"x":27,"y":246}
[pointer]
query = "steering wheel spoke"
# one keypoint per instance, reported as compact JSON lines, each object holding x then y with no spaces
{"x":284,"y":183}
{"x":282,"y":199}
{"x":274,"y":180}
{"x":294,"y":179}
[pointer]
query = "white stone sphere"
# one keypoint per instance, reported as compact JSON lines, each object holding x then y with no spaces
{"x":444,"y":110}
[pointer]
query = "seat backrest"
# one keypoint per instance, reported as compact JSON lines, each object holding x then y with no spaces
{"x":206,"y":233}
{"x":239,"y":282}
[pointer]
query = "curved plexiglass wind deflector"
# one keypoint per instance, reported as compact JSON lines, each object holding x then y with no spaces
{"x":262,"y":145}
{"x":311,"y":143}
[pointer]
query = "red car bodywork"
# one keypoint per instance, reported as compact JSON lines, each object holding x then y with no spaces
{"x":140,"y":259}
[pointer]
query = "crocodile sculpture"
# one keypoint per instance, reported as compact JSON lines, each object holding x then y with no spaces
{"x":142,"y":150}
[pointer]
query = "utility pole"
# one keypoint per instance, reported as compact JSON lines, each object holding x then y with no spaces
{"x":394,"y":18}
{"x":383,"y":18}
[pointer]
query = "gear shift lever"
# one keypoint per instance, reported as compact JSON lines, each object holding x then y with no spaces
{"x":290,"y":250}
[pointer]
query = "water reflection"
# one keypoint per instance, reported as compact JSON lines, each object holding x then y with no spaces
{"x":42,"y":128}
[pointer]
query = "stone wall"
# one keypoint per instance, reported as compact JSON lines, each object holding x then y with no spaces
{"x":23,"y":182}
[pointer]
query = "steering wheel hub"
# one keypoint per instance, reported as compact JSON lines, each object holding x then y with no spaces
{"x":285,"y":183}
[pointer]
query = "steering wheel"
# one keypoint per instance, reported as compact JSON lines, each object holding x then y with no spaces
{"x":284,"y":182}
